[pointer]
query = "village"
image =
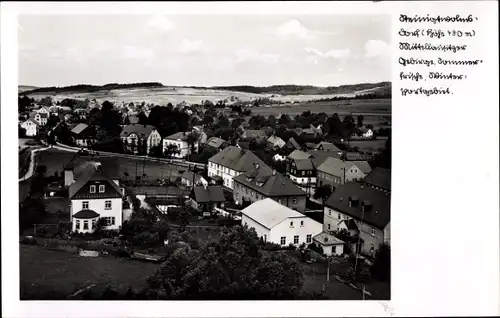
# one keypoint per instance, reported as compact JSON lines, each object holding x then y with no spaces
{"x":143,"y":182}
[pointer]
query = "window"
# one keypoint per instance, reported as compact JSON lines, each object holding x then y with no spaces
{"x":101,"y":188}
{"x":246,"y":190}
{"x":107,"y":205}
{"x":340,"y":216}
{"x":302,"y":173}
{"x":93,"y":223}
{"x":373,"y":231}
{"x":232,"y":183}
{"x":296,"y":239}
{"x":334,"y":249}
{"x":283,"y":240}
{"x":85,"y":205}
{"x":109,"y":220}
{"x":291,"y":224}
{"x":294,"y":200}
{"x":280,"y":201}
{"x":77,"y":225}
{"x":308,"y":238}
{"x":92,"y":189}
{"x":301,"y":223}
{"x":85,"y":225}
{"x":328,"y":227}
{"x":252,"y":193}
{"x":329,"y":212}
{"x":265,"y":238}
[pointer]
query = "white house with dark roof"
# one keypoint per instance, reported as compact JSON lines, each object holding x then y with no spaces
{"x":264,"y":182}
{"x":83,"y":135}
{"x":135,"y":135}
{"x":94,"y":195}
{"x":31,"y":127}
{"x":279,"y":224}
{"x":231,"y":162}
{"x":368,"y":208}
{"x":180,"y":141}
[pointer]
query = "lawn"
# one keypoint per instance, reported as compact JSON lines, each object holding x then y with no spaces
{"x":44,"y":272}
{"x":55,"y":160}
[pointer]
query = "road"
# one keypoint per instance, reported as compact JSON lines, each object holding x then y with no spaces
{"x":179,"y":162}
{"x":31,"y":168}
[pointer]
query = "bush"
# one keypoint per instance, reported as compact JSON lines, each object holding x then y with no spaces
{"x":269,"y":246}
{"x":315,"y":248}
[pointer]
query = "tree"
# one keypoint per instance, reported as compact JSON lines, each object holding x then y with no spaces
{"x":156,"y":151}
{"x":110,"y":119}
{"x":271,"y":120}
{"x":171,"y":150}
{"x":360,"y":120}
{"x":233,"y":268}
{"x":381,"y":268}
{"x":21,"y":132}
{"x":45,"y":101}
{"x":237,"y":122}
{"x":349,"y":126}
{"x":223,"y":122}
{"x":335,"y":125}
{"x":143,"y":119}
{"x":192,"y":140}
{"x":323,"y":192}
{"x":24,"y":102}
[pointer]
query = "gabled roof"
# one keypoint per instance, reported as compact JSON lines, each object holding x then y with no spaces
{"x":326,"y":239}
{"x":379,"y":177}
{"x":379,"y":214}
{"x":143,"y":131}
{"x":275,"y":139}
{"x":236,"y":159}
{"x":269,"y":213}
{"x":304,"y":164}
{"x":79,"y":128}
{"x":208,"y":194}
{"x":334,"y":166}
{"x":215,"y":142}
{"x":262,"y":180}
{"x":326,"y":146}
{"x":94,"y":173}
{"x":181,"y":135}
{"x":364,"y":166}
{"x":252,"y":133}
{"x":298,"y":154}
{"x":31,"y":120}
{"x":293,"y":143}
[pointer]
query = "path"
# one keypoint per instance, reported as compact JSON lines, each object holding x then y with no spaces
{"x":31,"y":168}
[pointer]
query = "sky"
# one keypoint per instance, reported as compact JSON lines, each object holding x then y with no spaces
{"x":204,"y":50}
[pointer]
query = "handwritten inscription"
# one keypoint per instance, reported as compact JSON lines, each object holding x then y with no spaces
{"x":436,"y":52}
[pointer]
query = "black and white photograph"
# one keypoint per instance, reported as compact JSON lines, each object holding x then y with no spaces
{"x":204,"y":157}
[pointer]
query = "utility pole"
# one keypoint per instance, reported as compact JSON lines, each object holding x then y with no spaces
{"x":359,"y":242}
{"x":328,"y":271}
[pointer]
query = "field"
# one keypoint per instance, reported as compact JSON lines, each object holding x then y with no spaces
{"x":55,"y":160}
{"x":175,"y":95}
{"x":368,"y":145}
{"x":44,"y":271}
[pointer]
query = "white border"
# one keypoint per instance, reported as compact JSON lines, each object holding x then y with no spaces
{"x":445,"y":181}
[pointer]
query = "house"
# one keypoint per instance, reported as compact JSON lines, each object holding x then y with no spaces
{"x":180,"y":142}
{"x":217,"y":143}
{"x":329,"y":243}
{"x":231,"y":162}
{"x":292,"y":144}
{"x":40,"y":117}
{"x":188,"y":177}
{"x":335,"y":172}
{"x":367,"y":207}
{"x":43,"y":110}
{"x":83,"y":135}
{"x":94,"y":195}
{"x":31,"y":127}
{"x":279,"y":224}
{"x":301,"y":170}
{"x":379,"y":179}
{"x":140,"y":138}
{"x":259,"y":134}
{"x":311,"y":132}
{"x":326,"y":146}
{"x":264,"y":182}
{"x":207,"y":198}
{"x":133,"y":120}
{"x":275,"y":142}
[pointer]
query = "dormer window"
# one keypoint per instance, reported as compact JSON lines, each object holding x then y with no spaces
{"x":101,"y":188}
{"x":92,"y":189}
